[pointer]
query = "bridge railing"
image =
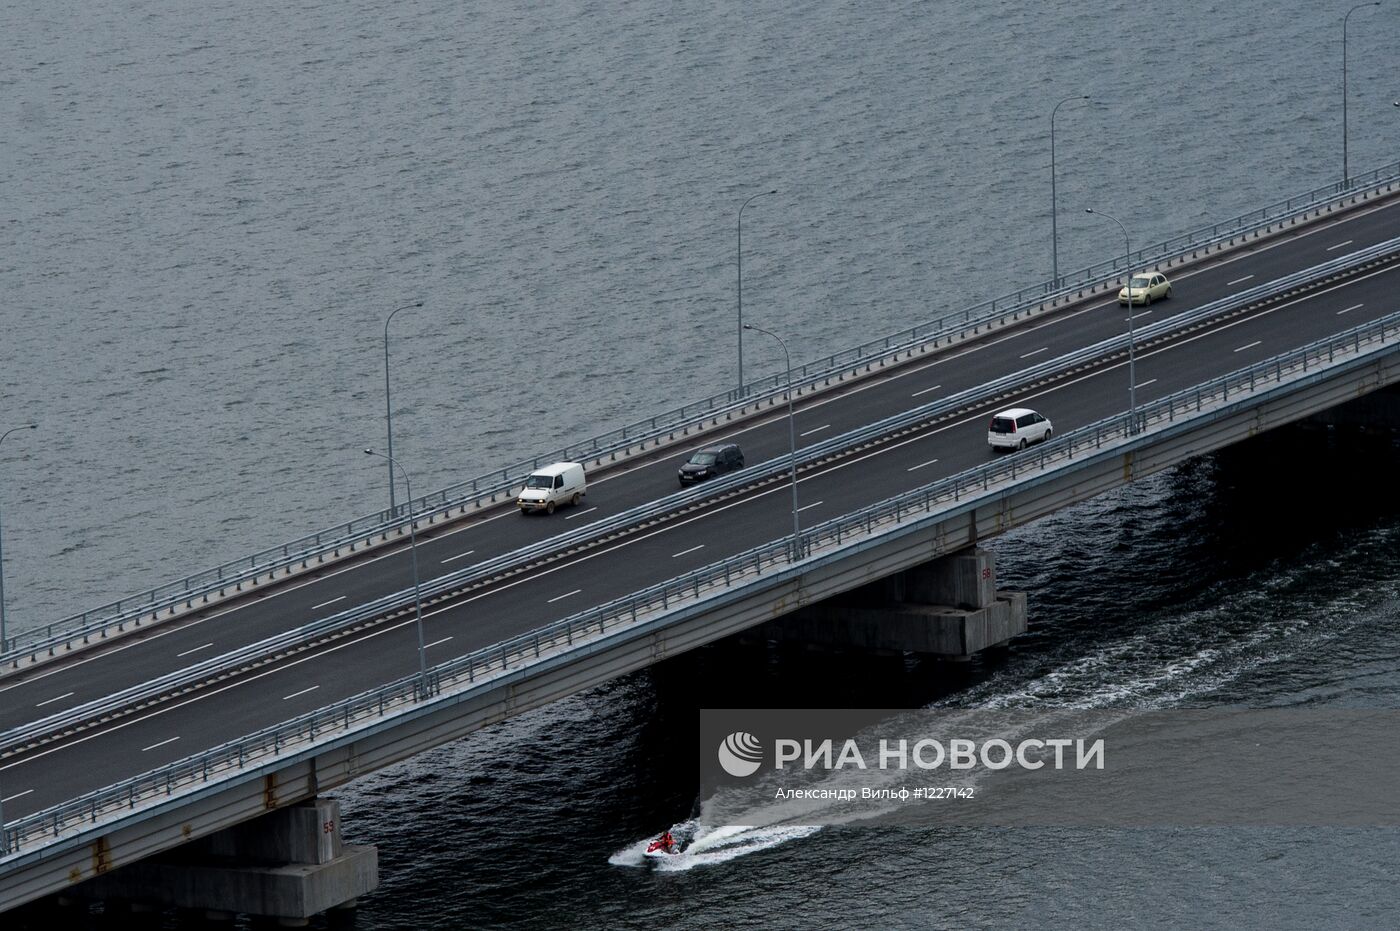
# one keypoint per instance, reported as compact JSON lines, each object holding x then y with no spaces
{"x":905,"y":511}
{"x":402,"y":602}
{"x":264,"y":566}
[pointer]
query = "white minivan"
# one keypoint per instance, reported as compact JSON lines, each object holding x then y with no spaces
{"x":547,"y":488}
{"x":1017,"y":428}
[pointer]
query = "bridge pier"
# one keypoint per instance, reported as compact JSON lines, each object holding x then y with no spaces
{"x":949,"y":607}
{"x":283,"y":867}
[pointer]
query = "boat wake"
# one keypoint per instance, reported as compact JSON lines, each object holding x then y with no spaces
{"x":709,"y":846}
{"x":1180,"y":658}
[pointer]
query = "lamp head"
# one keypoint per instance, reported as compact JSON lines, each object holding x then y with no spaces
{"x":369,"y":452}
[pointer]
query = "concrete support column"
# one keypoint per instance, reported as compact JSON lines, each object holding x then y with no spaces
{"x":285,"y":866}
{"x":948,"y":607}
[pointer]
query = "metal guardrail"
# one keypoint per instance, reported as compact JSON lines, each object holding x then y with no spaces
{"x":487,"y":488}
{"x":917,"y":506}
{"x":402,"y":601}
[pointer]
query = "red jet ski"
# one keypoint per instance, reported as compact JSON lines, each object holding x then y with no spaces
{"x":664,"y":846}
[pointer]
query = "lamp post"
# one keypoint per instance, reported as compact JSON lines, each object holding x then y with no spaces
{"x":1346,"y":166}
{"x":1132,"y":339}
{"x":389,"y":411}
{"x":417,"y":595}
{"x":792,"y":436}
{"x":1054,"y":213}
{"x":5,"y":838}
{"x":739,"y":254}
{"x":3,"y":641}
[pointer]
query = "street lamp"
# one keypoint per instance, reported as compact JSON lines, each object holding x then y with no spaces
{"x":1132,"y":338}
{"x":4,"y":643}
{"x":739,"y":252}
{"x":5,"y":838}
{"x":1054,"y":213}
{"x":792,"y":435}
{"x":389,"y":411}
{"x":417,"y":593}
{"x":1346,"y":167}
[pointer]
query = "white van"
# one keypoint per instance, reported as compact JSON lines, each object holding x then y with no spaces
{"x":1017,"y":428}
{"x":561,"y":483}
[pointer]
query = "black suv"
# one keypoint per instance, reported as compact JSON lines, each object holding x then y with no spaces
{"x":711,"y":461}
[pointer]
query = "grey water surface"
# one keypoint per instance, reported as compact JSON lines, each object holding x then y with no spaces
{"x":210,"y":209}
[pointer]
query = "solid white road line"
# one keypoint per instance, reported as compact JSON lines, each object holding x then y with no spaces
{"x":327,"y":603}
{"x":1034,"y":352}
{"x":856,"y":460}
{"x":11,"y":798}
{"x":580,"y":513}
{"x":760,"y":422}
{"x":302,"y":692}
{"x":691,"y":550}
{"x":1339,"y":245}
{"x":815,"y":430}
{"x":925,"y":391}
{"x":459,"y":556}
{"x":50,"y":701}
{"x":161,"y":744}
{"x":921,"y":465}
{"x":389,"y":629}
{"x":565,"y":595}
{"x":158,"y":632}
{"x":1250,"y":346}
{"x":1144,"y":384}
{"x":195,"y":649}
{"x":1238,"y":281}
{"x":1350,"y":309}
{"x":814,"y":504}
{"x":436,"y":643}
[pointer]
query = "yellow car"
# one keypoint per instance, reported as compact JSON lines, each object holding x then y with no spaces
{"x":1145,"y":288}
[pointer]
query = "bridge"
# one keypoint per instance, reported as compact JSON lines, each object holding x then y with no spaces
{"x":259,"y":685}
